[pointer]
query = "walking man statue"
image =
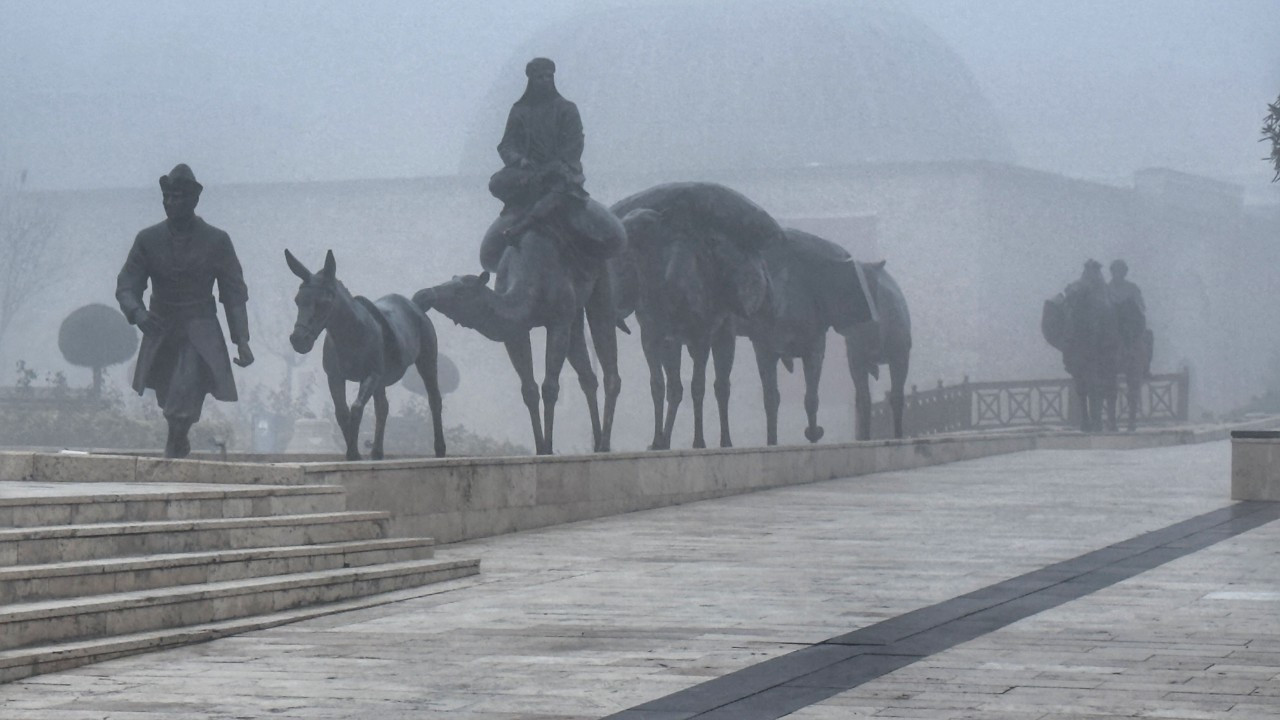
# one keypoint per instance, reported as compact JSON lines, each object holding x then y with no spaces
{"x":184,"y":355}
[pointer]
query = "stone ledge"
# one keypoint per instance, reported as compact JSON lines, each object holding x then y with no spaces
{"x":1255,"y":465}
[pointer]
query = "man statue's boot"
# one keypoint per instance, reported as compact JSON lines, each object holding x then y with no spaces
{"x":177,"y":445}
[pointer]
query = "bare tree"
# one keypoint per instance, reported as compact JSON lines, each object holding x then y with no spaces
{"x":1271,"y":132}
{"x":27,"y":228}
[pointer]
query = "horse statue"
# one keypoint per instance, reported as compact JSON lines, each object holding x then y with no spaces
{"x":1081,"y":322}
{"x":816,"y":286}
{"x":371,"y":343}
{"x":694,"y":261}
{"x":545,"y":279}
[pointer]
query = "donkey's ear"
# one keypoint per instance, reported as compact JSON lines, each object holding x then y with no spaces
{"x":484,"y":278}
{"x":330,"y":266}
{"x":298,"y":268}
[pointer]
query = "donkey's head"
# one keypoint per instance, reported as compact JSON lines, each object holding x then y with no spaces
{"x":316,"y":299}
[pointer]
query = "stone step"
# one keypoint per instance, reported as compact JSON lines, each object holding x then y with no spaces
{"x":69,"y":543}
{"x":32,"y":583}
{"x":64,"y":621}
{"x":96,"y":507}
{"x":55,"y":657}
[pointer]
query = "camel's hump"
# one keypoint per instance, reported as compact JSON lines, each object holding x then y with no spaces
{"x":701,"y":206}
{"x":810,"y":247}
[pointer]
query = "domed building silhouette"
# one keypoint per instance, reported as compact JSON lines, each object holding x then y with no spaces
{"x":673,"y":89}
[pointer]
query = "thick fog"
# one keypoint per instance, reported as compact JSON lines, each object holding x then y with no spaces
{"x":279,"y":106}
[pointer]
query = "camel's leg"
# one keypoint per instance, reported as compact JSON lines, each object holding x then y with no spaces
{"x":723,"y":347}
{"x":604,"y":336}
{"x":557,"y":350}
{"x":699,"y":353}
{"x":580,"y":361}
{"x":898,"y":367}
{"x":671,"y":357}
{"x":653,"y":350}
{"x":341,"y":413}
{"x":429,"y":370}
{"x":380,"y":408}
{"x":812,"y":376}
{"x":861,"y":390}
{"x":521,"y":355}
{"x":767,"y":365}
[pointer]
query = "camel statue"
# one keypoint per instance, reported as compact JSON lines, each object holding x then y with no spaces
{"x":816,"y":286}
{"x":368,"y":342}
{"x":542,"y":281}
{"x":884,"y":341}
{"x":1082,"y":323}
{"x":694,"y":261}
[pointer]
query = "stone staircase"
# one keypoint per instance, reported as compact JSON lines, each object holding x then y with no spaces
{"x":91,"y":571}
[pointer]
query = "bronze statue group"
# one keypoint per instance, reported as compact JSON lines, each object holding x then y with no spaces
{"x":1101,"y":329}
{"x":698,"y":264}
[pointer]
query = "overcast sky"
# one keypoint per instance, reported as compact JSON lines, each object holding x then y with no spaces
{"x":112,"y":93}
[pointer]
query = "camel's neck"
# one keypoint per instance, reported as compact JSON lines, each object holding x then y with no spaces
{"x":497,"y":316}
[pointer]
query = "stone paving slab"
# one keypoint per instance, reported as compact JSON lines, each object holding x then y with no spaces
{"x":589,"y":619}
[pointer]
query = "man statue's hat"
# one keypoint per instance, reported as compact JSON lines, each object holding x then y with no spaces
{"x":178,"y":177}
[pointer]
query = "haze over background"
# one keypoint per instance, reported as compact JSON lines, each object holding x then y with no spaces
{"x":111,"y":94}
{"x":905,"y":129}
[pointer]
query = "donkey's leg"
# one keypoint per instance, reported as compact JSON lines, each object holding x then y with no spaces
{"x":812,"y":377}
{"x":723,"y":347}
{"x":899,"y":364}
{"x":580,"y":361}
{"x":428,"y":369}
{"x":557,"y":350}
{"x":341,"y":413}
{"x":365,"y":393}
{"x":521,"y":355}
{"x":767,"y":365}
{"x":604,"y":336}
{"x":380,"y":408}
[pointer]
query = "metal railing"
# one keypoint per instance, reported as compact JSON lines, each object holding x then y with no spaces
{"x":1024,"y":403}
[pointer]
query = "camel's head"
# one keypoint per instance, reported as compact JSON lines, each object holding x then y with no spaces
{"x":453,"y":298}
{"x":316,"y":298}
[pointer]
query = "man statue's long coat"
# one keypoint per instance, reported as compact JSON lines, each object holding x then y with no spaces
{"x":182,"y":273}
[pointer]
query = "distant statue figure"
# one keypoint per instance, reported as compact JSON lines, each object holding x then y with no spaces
{"x":368,"y":342}
{"x":694,"y":262}
{"x":183,"y":355}
{"x":541,"y":182}
{"x":1081,"y":322}
{"x":1136,"y":342}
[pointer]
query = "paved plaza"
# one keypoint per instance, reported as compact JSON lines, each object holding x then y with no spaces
{"x":609,"y":617}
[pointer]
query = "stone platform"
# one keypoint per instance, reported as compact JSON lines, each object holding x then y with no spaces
{"x":1162,"y":604}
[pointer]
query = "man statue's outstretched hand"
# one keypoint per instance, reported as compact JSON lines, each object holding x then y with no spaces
{"x":245,"y":355}
{"x":148,"y":322}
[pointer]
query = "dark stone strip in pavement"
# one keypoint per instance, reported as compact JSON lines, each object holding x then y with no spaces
{"x":782,"y":685}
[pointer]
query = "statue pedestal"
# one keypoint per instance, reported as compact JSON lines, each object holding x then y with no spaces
{"x":1255,"y":465}
{"x":314,"y":436}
